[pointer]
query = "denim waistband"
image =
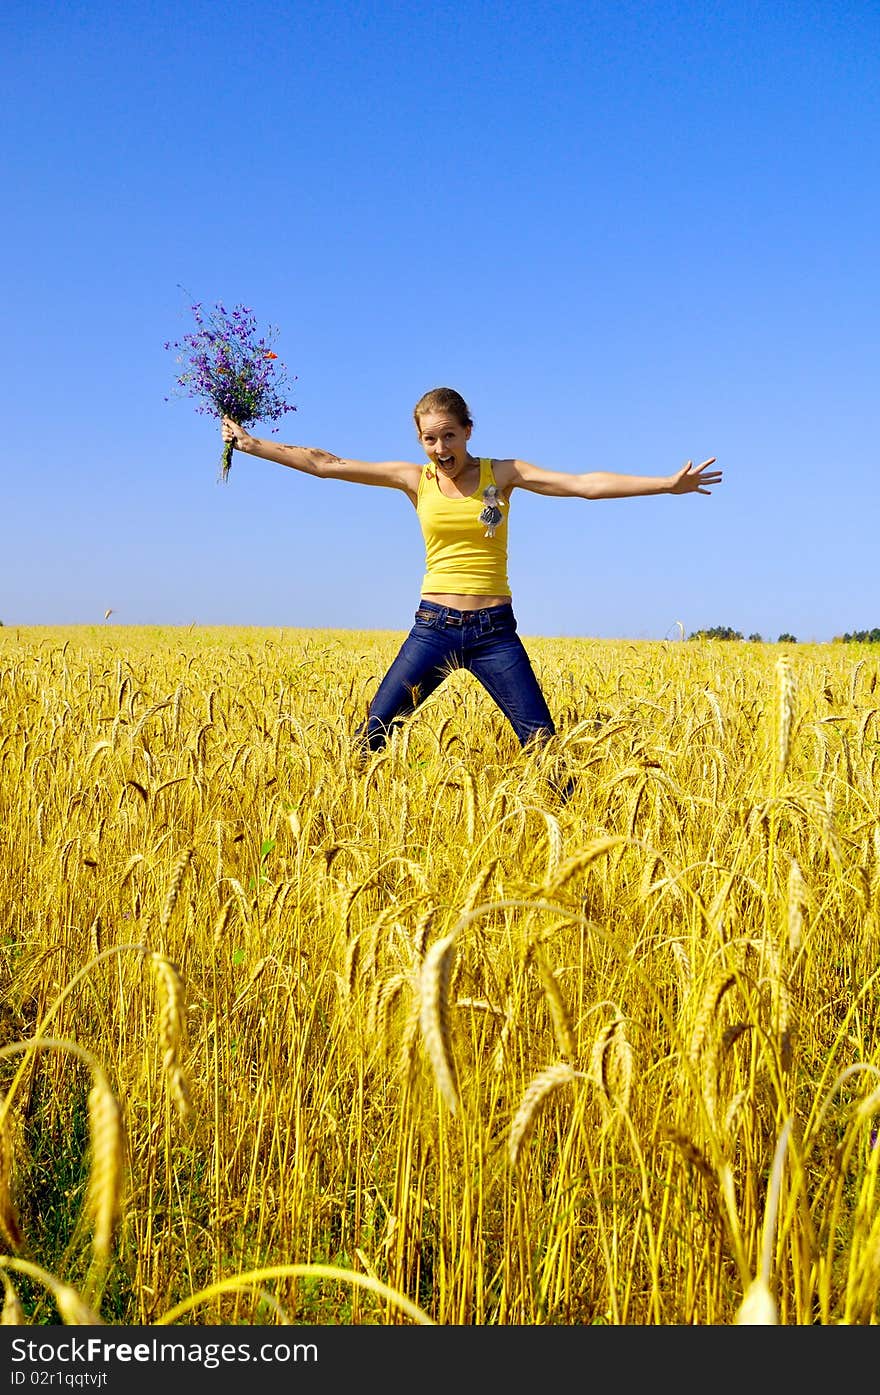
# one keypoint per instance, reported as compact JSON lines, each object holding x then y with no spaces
{"x":448,"y":615}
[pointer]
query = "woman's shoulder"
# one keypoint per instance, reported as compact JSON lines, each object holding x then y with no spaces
{"x":503,"y":472}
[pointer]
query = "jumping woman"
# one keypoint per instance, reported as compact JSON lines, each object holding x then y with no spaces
{"x":465,"y":616}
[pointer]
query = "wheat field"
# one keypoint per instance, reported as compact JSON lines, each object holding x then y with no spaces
{"x":287,"y":1039}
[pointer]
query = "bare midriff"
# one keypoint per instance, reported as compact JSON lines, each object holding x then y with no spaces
{"x":465,"y":602}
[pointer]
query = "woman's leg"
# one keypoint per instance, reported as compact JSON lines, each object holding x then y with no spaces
{"x":495,"y":654}
{"x":423,"y":661}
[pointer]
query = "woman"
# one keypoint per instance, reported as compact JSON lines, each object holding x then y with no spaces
{"x":465,"y":617}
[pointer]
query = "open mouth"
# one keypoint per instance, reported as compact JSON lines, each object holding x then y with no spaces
{"x":444,"y":461}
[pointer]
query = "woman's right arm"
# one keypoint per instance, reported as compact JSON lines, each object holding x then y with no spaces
{"x":395,"y":474}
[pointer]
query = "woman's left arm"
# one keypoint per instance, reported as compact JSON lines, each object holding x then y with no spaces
{"x":602,"y":484}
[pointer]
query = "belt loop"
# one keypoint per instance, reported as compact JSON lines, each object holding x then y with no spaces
{"x":444,"y":612}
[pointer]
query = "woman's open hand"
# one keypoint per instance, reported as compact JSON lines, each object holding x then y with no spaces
{"x":695,"y":479}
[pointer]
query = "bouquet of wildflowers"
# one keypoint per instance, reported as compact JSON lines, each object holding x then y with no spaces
{"x":231,"y":370}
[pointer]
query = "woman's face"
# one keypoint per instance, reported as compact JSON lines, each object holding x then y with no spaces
{"x":444,"y":441}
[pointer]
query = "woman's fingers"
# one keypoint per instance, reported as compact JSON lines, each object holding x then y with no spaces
{"x":706,"y":476}
{"x":695,"y":478}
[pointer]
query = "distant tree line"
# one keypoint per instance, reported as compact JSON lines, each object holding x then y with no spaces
{"x":725,"y":632}
{"x":861,"y":637}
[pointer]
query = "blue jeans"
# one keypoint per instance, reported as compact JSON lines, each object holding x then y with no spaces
{"x":484,"y":642}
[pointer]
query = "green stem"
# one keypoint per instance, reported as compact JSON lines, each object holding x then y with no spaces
{"x":226,"y":461}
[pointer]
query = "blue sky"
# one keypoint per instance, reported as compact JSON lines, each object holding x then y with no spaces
{"x":630,"y":234}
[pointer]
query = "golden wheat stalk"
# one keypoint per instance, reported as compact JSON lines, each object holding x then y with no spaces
{"x":578,"y":862}
{"x":683,"y":965}
{"x":611,"y":1067}
{"x":352,"y":957}
{"x":434,"y":1016}
{"x":221,"y":923}
{"x":409,"y":1041}
{"x":171,"y":1022}
{"x":563,"y":1028}
{"x":785,"y":693}
{"x":554,"y":846}
{"x":718,"y":985}
{"x":244,"y":902}
{"x":129,"y":868}
{"x":780,"y":997}
{"x":105,"y":1136}
{"x":499,"y":1053}
{"x":705,"y":1040}
{"x":537,"y":1092}
{"x":797,"y":904}
{"x":73,"y":1308}
{"x":423,"y":928}
{"x":695,"y":1157}
{"x":469,"y":787}
{"x":713,"y":702}
{"x":387,"y":992}
{"x":829,"y":827}
{"x":254,"y":976}
{"x":177,"y":709}
{"x":854,"y":677}
{"x":180,"y":865}
{"x":477,"y":888}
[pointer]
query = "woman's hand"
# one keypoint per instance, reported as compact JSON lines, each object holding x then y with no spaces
{"x":693,"y":479}
{"x":234,"y":433}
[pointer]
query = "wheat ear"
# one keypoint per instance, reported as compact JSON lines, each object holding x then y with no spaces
{"x":578,"y":862}
{"x":785,"y":689}
{"x":797,"y":904}
{"x":105,"y":1135}
{"x":537,"y":1092}
{"x":171,"y":1032}
{"x":559,"y":1015}
{"x":469,"y":788}
{"x":704,"y":1046}
{"x":611,"y":1067}
{"x":180,"y":866}
{"x":423,"y":929}
{"x":477,"y":888}
{"x":434,"y":1016}
{"x":554,"y":846}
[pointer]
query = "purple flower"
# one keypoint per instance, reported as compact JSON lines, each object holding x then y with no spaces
{"x":231,"y":371}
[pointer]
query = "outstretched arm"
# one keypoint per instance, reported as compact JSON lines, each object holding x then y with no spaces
{"x":602,"y":484}
{"x":395,"y":474}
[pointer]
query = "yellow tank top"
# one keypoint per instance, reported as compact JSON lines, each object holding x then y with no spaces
{"x":463,"y":555}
